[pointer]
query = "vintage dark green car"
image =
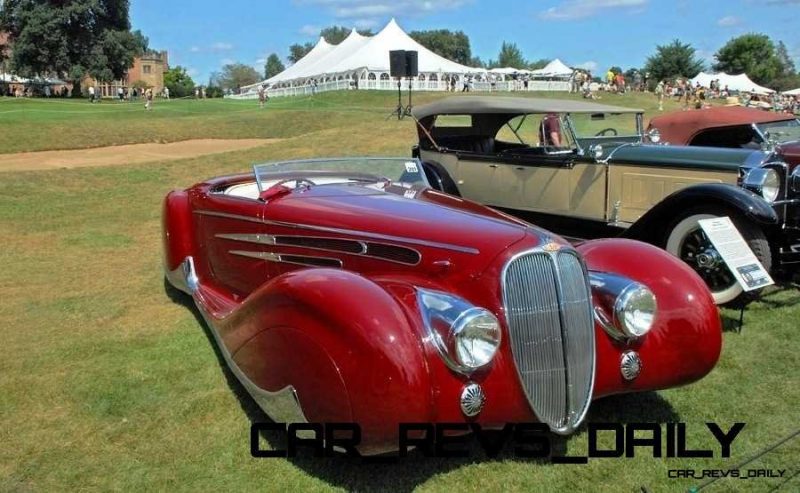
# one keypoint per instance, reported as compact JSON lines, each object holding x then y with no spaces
{"x":588,"y":170}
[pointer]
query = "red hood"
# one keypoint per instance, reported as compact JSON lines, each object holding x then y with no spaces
{"x":356,"y":211}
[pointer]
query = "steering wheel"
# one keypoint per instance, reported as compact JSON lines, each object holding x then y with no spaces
{"x":297,"y":182}
{"x":602,"y":133}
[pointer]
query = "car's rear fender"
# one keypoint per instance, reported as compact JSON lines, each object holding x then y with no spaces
{"x":177,"y":229}
{"x":650,"y":227}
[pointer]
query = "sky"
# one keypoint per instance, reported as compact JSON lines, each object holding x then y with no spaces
{"x":204,"y":35}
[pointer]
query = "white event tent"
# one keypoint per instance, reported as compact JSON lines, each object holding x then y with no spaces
{"x":793,"y":92}
{"x":739,"y":82}
{"x":555,"y":69}
{"x":361,"y":60}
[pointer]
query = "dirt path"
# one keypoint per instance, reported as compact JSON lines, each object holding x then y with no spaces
{"x":124,"y":154}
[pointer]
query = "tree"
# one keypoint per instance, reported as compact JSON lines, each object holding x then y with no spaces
{"x":179,"y":83}
{"x":752,"y":54}
{"x":71,"y":39}
{"x":510,"y":56}
{"x":786,"y":61}
{"x":297,"y":51}
{"x":673,"y":60}
{"x":337,"y":34}
{"x":273,"y":67}
{"x":476,"y":62}
{"x":451,"y":45}
{"x":236,"y":75}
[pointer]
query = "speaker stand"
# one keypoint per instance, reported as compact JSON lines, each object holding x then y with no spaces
{"x":407,"y":110}
{"x":399,"y":111}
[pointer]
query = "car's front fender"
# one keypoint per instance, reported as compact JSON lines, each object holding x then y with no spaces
{"x":343,"y":342}
{"x":685,"y":341}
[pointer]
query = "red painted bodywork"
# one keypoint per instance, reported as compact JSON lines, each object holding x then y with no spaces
{"x":351,"y":341}
{"x":680,"y":127}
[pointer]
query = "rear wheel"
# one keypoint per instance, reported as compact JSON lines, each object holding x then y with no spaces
{"x":687,"y":241}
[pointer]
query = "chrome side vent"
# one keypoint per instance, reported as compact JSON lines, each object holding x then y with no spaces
{"x":551,"y":330}
{"x":331,"y":244}
{"x":311,"y":261}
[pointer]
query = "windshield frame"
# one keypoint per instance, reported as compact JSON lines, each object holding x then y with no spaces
{"x":262,"y":170}
{"x":762,"y":132}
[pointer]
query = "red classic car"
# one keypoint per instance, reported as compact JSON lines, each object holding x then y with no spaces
{"x":350,"y":291}
{"x":733,"y":127}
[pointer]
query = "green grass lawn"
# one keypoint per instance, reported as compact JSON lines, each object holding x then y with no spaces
{"x":106,"y":383}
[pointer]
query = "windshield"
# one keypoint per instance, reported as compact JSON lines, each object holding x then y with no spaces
{"x":605,"y":125}
{"x":783,"y":131}
{"x":319,"y":172}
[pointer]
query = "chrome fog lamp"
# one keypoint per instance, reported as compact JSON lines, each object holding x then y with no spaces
{"x":467,"y":337}
{"x":654,"y":135}
{"x":635,"y":310}
{"x":763,"y":181}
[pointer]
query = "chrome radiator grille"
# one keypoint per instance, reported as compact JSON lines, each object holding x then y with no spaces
{"x":551,"y":328}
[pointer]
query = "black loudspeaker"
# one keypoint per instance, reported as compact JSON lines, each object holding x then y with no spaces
{"x":412,"y":66}
{"x":397,"y":63}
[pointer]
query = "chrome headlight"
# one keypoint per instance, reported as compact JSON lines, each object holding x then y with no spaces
{"x":654,"y":135}
{"x":763,"y":181}
{"x":467,"y":337}
{"x":635,"y":310}
{"x":626,"y":308}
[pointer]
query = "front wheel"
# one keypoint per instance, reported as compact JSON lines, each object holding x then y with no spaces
{"x":687,"y":241}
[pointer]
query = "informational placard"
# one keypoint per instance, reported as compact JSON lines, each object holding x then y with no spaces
{"x":736,"y":253}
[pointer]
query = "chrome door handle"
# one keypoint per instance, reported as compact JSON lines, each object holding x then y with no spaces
{"x":492,"y":165}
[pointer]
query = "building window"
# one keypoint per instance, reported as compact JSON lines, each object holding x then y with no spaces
{"x":146,"y":69}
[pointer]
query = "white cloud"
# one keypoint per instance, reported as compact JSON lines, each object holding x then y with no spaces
{"x":729,"y":21}
{"x":220,"y":46}
{"x":194,"y":49}
{"x":580,"y":9}
{"x":193,"y":72}
{"x":369,"y":13}
{"x":590,"y":65}
{"x":310,"y":30}
{"x":365,"y":23}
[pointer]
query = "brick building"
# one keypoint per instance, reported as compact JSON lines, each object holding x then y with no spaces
{"x":149,"y":68}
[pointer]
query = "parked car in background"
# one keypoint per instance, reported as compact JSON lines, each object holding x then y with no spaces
{"x":585,"y":170}
{"x":734,"y":127}
{"x":350,"y":291}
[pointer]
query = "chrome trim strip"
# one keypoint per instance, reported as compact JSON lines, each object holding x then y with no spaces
{"x":265,"y":239}
{"x":277,"y":257}
{"x":399,"y":239}
{"x":282,"y":406}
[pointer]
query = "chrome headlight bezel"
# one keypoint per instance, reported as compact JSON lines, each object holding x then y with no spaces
{"x":765,"y":182}
{"x":618,"y":299}
{"x":635,"y":310}
{"x":654,"y":135}
{"x":454,"y":326}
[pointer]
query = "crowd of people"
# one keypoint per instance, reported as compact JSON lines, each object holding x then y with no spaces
{"x":698,"y":96}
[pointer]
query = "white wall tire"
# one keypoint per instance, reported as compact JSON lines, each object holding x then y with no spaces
{"x":724,"y":288}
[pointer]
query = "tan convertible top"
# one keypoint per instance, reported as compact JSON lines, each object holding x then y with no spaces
{"x":470,"y":105}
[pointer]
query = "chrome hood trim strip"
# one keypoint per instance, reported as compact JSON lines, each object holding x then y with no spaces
{"x":364,"y":234}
